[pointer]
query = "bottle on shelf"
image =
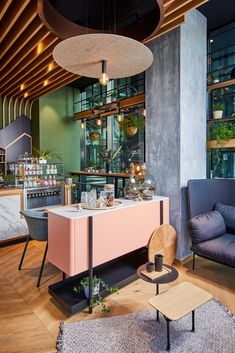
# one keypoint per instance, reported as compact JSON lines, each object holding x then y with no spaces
{"x":50,"y":181}
{"x":45,"y":181}
{"x":34,"y":171}
{"x":34,"y":182}
{"x":54,"y":182}
{"x":26,"y":182}
{"x":30,"y":182}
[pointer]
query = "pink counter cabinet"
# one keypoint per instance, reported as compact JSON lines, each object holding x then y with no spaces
{"x":115,"y":232}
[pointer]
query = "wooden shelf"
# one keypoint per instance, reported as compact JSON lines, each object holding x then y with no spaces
{"x":120,"y":175}
{"x":228,"y":144}
{"x":124,"y":103}
{"x":221,"y":85}
{"x":214,"y":121}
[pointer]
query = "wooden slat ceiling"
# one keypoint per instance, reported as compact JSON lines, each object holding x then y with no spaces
{"x":27,"y":69}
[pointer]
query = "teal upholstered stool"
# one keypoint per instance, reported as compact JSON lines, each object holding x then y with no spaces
{"x":37,"y":222}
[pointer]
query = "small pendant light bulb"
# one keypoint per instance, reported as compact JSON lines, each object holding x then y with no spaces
{"x":82,"y":124}
{"x":98,"y":122}
{"x":104,"y":78}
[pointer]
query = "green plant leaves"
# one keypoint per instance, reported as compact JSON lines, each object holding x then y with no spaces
{"x":96,"y":299}
{"x":46,"y":153}
{"x":221,"y":132}
{"x":132,"y":120}
{"x":109,"y":156}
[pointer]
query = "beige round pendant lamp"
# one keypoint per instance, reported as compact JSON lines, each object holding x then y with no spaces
{"x":104,"y":56}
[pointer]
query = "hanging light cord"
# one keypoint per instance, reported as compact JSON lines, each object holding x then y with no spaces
{"x":114,"y":17}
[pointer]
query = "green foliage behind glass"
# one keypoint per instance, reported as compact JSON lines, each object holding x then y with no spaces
{"x":221,"y":132}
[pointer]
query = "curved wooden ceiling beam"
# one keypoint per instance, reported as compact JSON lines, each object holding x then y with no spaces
{"x":172,"y":25}
{"x":19,"y":27}
{"x":64,"y":28}
{"x":39,"y":81}
{"x":40,"y":86}
{"x":24,"y":47}
{"x":182,"y":10}
{"x":26,"y":107}
{"x":29,"y":56}
{"x":177,"y":4}
{"x":12,"y":14}
{"x":30,"y":71}
{"x":60,"y":83}
{"x":168,"y":2}
{"x":4,"y":4}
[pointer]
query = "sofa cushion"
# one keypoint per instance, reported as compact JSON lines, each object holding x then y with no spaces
{"x":206,"y":226}
{"x":228,"y":213}
{"x":221,"y":249}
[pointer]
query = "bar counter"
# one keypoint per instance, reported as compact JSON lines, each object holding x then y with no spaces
{"x":115,"y":232}
{"x":104,"y":174}
{"x":111,"y":178}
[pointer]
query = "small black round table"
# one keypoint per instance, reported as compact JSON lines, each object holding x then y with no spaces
{"x":166,"y":278}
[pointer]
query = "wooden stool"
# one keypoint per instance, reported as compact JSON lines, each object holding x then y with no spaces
{"x":179,"y":301}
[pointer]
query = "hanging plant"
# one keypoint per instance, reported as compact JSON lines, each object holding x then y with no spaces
{"x":94,"y":135}
{"x":131,"y":124}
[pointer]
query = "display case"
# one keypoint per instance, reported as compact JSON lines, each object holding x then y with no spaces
{"x":32,"y":175}
{"x":3,"y":164}
{"x":221,"y":102}
{"x":221,"y":54}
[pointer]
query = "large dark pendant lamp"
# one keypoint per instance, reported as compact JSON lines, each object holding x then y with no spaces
{"x":105,"y":53}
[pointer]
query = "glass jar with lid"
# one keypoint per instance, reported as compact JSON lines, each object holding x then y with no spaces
{"x":109,"y":194}
{"x":131,"y":190}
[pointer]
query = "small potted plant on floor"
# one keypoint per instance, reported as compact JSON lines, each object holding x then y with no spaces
{"x":99,"y":287}
{"x":218,"y":109}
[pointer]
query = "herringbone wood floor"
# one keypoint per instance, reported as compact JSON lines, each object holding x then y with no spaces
{"x":30,"y":319}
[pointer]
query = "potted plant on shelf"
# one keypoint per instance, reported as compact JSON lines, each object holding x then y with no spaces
{"x":218,"y":109}
{"x":222,"y":133}
{"x":45,"y":154}
{"x":98,"y":101}
{"x":99,"y":288}
{"x":113,"y":96}
{"x":131,"y":124}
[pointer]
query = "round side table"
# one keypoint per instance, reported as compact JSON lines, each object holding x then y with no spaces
{"x":167,"y":278}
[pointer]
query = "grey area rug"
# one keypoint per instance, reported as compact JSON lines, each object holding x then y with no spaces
{"x":140,"y":332}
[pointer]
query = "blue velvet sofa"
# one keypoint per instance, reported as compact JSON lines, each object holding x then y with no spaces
{"x":211,"y":210}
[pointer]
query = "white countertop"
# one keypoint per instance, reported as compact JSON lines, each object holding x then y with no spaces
{"x":72,"y":212}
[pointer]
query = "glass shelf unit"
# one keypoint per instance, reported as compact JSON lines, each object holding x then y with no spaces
{"x":221,"y":54}
{"x":222,"y":163}
{"x":224,"y":96}
{"x":110,"y":135}
{"x":30,"y":175}
{"x":2,"y":164}
{"x":97,"y":95}
{"x":221,"y":132}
